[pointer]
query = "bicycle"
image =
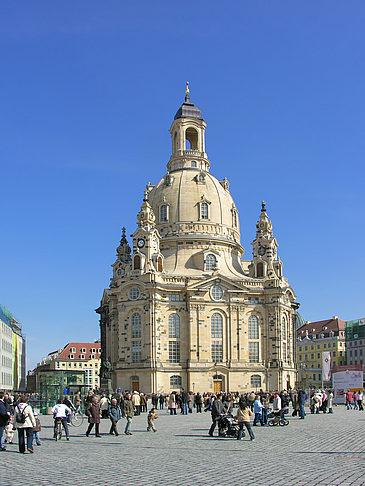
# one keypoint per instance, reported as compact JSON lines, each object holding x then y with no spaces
{"x":58,"y":431}
{"x":77,"y":419}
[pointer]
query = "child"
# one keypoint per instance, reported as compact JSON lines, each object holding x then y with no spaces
{"x":9,"y":431}
{"x":37,"y":429}
{"x":152,"y":416}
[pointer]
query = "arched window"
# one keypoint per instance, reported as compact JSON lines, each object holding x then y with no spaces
{"x":256,"y":381}
{"x":137,"y":262}
{"x":175,"y":142}
{"x":159,"y":264}
{"x":175,"y":382}
{"x":201,"y":178}
{"x":253,"y":327}
{"x":193,"y":163}
{"x":204,"y":210}
{"x":260,"y":269}
{"x":216,"y":325}
{"x":234,"y":214}
{"x":191,"y":139}
{"x":136,"y":325}
{"x":163,"y":213}
{"x":210,"y":262}
{"x":174,"y":326}
{"x":253,"y":339}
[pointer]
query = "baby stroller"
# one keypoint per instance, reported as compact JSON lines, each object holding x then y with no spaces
{"x":278,"y":418}
{"x":228,"y":427}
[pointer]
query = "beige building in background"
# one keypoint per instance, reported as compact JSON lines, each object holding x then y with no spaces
{"x":184,"y":309}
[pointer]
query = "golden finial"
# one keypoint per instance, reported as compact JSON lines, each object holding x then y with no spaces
{"x":187,"y":91}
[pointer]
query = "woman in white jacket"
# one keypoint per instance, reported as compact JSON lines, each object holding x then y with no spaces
{"x":24,"y":422}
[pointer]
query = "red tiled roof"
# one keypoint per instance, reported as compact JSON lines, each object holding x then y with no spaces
{"x":319,"y":326}
{"x":78,"y":346}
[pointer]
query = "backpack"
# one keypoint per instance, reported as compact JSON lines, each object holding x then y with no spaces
{"x":20,"y":416}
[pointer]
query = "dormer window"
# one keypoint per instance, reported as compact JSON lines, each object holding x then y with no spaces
{"x":200,"y":178}
{"x":73,"y":350}
{"x":210,"y":262}
{"x":82,"y":356}
{"x":163,"y":213}
{"x":71,"y":356}
{"x":204,"y":211}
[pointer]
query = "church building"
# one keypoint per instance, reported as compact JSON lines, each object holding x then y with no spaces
{"x":184,"y":309}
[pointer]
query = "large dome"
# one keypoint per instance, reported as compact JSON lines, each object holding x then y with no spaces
{"x":191,"y":202}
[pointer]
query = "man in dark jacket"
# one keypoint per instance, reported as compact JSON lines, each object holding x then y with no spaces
{"x":302,"y":396}
{"x":184,"y":401}
{"x":4,"y":420}
{"x":217,"y":412}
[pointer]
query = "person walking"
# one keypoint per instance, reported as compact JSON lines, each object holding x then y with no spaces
{"x":217,"y":412}
{"x":129,"y":413}
{"x":257,"y":410}
{"x":330,"y":401}
{"x":104,"y":406}
{"x":243,"y":418}
{"x":172,"y":403}
{"x":4,"y":420}
{"x":93,"y":413}
{"x":302,"y":396}
{"x":361,"y":397}
{"x":198,"y":403}
{"x":37,"y":429}
{"x":151,"y":417}
{"x":24,"y":421}
{"x":136,"y":400}
{"x":115,"y":414}
{"x":184,"y":401}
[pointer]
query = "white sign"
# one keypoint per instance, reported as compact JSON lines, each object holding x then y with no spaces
{"x":346,"y":380}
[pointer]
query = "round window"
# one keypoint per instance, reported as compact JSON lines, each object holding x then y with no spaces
{"x":134,"y":293}
{"x":216,"y":292}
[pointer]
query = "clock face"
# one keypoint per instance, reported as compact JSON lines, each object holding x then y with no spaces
{"x":262,"y":250}
{"x":140,"y":243}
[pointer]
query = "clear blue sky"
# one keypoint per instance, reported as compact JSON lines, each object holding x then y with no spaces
{"x":88,"y":92}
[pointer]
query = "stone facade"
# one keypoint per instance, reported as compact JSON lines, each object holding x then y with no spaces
{"x":184,"y":309}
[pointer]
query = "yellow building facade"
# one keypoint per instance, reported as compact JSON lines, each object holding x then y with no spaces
{"x":184,"y":309}
{"x":313,"y":339}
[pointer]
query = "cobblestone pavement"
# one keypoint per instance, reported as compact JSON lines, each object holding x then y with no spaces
{"x":321,"y":450}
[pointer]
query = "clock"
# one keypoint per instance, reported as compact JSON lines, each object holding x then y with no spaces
{"x":140,"y":243}
{"x":262,"y":250}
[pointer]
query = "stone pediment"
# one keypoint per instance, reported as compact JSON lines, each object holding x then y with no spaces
{"x":224,"y":282}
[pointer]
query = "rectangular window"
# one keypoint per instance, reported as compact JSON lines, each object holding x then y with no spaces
{"x":324,"y":345}
{"x":217,"y":352}
{"x":300,"y":357}
{"x":312,"y":356}
{"x":136,"y":351}
{"x":253,"y":352}
{"x":351,"y":352}
{"x":174,"y":351}
{"x":305,"y":348}
{"x":355,"y":352}
{"x":300,"y":348}
{"x":312,"y":347}
{"x":318,"y":355}
{"x":319,"y":377}
{"x":174,"y":297}
{"x":314,"y":376}
{"x":318,"y":346}
{"x":334,"y":354}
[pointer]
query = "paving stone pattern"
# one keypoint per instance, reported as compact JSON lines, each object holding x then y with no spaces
{"x":320,"y":450}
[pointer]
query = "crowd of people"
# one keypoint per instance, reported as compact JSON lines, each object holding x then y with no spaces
{"x":17,"y":413}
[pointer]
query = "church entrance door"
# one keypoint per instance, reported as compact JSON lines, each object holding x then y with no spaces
{"x":217,"y":386}
{"x":135,"y":385}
